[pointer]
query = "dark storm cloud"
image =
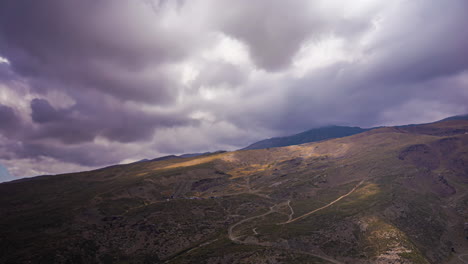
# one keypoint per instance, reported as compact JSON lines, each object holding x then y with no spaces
{"x":90,"y":44}
{"x":67,"y":135}
{"x":91,"y":83}
{"x":9,"y":121}
{"x":83,"y":122}
{"x":43,"y":112}
{"x":100,"y":54}
{"x":89,"y":156}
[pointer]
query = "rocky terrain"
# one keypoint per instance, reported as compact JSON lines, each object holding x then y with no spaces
{"x":389,"y":195}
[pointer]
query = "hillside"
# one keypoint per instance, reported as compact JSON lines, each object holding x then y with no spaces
{"x":312,"y":135}
{"x":389,"y":195}
{"x":457,"y":117}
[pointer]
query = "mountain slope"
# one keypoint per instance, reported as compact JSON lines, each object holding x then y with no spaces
{"x":390,"y":195}
{"x":324,"y":133}
{"x":312,"y":135}
{"x":457,"y":117}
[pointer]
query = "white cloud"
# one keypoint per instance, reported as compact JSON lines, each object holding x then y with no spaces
{"x":228,"y":49}
{"x":320,"y":54}
{"x":4,"y":60}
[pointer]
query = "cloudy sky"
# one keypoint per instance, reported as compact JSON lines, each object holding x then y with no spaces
{"x":85,"y":84}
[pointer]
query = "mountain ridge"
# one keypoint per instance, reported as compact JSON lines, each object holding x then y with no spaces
{"x":389,"y":194}
{"x":324,"y":133}
{"x":311,"y":135}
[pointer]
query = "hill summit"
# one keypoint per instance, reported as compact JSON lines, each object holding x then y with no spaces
{"x":312,"y":135}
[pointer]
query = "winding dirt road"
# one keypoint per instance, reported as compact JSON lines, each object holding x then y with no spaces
{"x":464,"y":260}
{"x":323,"y":207}
{"x":292,"y":211}
{"x":290,"y":220}
{"x":236,"y":239}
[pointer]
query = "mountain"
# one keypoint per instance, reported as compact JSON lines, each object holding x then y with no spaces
{"x":188,"y":155}
{"x":323,"y":133}
{"x":457,"y":117}
{"x":191,"y":155}
{"x":388,"y":195}
{"x":312,"y":135}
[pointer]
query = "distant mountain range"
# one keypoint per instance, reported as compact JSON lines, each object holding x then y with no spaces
{"x":188,"y":155}
{"x":322,"y":133}
{"x":457,"y":117}
{"x":313,"y":135}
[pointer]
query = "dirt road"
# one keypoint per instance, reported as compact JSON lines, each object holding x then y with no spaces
{"x":463,"y":258}
{"x":323,"y":207}
{"x":236,"y":239}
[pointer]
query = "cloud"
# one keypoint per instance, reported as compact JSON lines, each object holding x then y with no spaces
{"x":89,"y":119}
{"x":118,"y":45}
{"x":43,"y":112}
{"x":10,"y":122}
{"x":91,"y":83}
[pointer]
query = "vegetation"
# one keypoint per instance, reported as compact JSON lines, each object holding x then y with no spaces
{"x":369,"y":198}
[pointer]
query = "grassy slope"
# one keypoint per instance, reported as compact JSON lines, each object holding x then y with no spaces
{"x":408,"y":208}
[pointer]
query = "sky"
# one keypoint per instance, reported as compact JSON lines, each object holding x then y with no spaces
{"x":86,"y":84}
{"x":5,"y":175}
